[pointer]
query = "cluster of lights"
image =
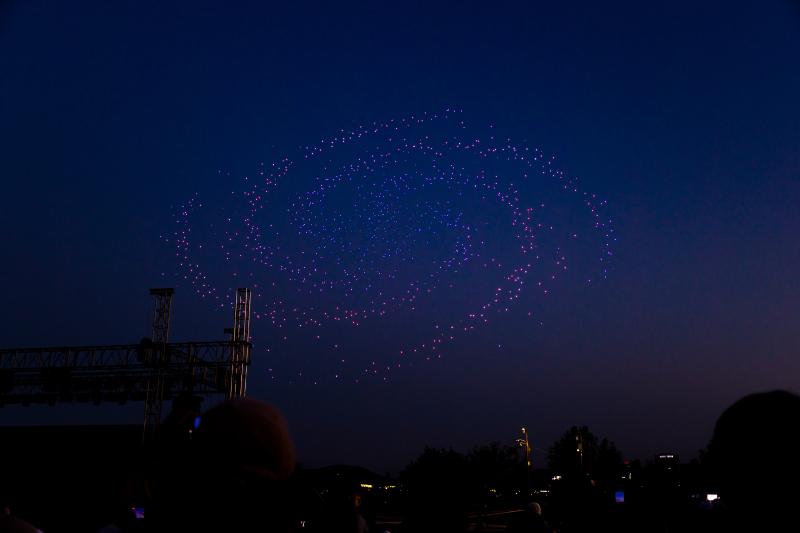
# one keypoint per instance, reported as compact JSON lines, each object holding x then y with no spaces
{"x":386,"y":220}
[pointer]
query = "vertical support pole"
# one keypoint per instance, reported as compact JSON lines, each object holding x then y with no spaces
{"x":240,"y":344}
{"x":162,"y":311}
{"x":526,"y":445}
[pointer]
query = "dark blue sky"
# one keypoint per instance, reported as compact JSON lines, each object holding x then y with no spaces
{"x":685,"y":117}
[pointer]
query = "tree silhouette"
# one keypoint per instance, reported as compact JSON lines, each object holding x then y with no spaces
{"x":497,"y":466}
{"x":579,"y":453}
{"x":437,"y":487}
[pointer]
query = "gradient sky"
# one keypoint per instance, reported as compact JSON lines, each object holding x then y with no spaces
{"x":685,"y":117}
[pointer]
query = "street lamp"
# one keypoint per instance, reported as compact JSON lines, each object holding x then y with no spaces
{"x":525,"y":443}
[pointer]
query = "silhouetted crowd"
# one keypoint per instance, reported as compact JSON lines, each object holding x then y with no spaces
{"x":233,"y":469}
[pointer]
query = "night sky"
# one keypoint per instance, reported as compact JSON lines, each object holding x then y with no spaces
{"x":679,"y":123}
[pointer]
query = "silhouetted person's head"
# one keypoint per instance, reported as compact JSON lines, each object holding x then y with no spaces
{"x":534,"y":508}
{"x":246,"y":439}
{"x":9,"y":523}
{"x":234,"y":475}
{"x":755,"y":455}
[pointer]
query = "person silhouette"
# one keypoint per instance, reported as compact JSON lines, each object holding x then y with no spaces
{"x":13,"y":524}
{"x":234,"y":476}
{"x":529,"y":520}
{"x":754,"y":456}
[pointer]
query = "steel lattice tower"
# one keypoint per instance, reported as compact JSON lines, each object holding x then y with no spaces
{"x":240,"y":339}
{"x":162,"y":310}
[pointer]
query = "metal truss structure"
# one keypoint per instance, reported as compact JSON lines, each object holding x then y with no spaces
{"x":152,"y":371}
{"x":240,"y":358}
{"x":154,"y":397}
